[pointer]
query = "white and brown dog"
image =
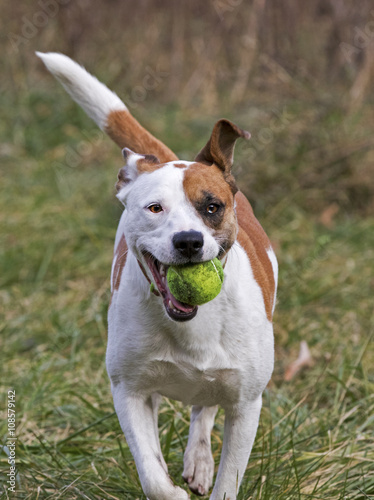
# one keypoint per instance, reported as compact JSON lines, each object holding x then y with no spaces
{"x":220,"y":353}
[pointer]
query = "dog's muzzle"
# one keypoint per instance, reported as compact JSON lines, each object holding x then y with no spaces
{"x":176,"y":310}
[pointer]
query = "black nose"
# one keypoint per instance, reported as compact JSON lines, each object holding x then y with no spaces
{"x":188,"y":243}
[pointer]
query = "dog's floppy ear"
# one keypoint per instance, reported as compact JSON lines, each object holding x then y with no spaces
{"x":220,"y":147}
{"x":135,"y":165}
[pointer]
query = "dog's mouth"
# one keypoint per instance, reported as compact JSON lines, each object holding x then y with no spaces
{"x":178,"y":311}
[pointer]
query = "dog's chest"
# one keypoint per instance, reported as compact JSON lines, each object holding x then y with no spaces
{"x":192,"y":385}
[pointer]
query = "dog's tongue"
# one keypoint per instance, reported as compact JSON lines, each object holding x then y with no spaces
{"x":178,"y":305}
{"x":163,"y":287}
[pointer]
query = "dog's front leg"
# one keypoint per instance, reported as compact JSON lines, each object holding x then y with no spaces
{"x":198,"y":459}
{"x":136,"y":416}
{"x":239,"y":434}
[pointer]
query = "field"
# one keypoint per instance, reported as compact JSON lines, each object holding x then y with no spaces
{"x":315,"y":439}
{"x":310,"y":180}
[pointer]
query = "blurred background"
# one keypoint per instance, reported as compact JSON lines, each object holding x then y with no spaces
{"x":297,"y":75}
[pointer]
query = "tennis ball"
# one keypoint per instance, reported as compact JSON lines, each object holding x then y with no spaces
{"x":196,"y":284}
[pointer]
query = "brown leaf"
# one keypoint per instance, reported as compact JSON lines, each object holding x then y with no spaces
{"x":304,"y":359}
{"x":326,"y":217}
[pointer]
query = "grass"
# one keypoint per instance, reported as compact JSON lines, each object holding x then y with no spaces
{"x":315,"y":439}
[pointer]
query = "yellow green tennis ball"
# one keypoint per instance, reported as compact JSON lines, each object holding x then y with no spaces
{"x":196,"y":284}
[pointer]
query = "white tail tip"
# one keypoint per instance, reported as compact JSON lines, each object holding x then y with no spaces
{"x":93,"y":96}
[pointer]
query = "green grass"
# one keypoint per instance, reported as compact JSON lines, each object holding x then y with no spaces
{"x":315,"y":438}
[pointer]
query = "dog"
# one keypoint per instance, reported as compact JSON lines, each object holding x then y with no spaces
{"x":220,"y":353}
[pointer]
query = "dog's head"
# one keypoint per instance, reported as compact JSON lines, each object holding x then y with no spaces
{"x":180,"y":212}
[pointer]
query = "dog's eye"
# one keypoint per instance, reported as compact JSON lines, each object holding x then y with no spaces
{"x":155,"y":208}
{"x":212,"y":208}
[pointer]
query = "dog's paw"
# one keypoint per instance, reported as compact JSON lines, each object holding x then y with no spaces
{"x":199,"y":468}
{"x":180,"y":494}
{"x":175,"y":494}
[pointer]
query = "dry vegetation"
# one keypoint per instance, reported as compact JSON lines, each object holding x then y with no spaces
{"x":302,"y":70}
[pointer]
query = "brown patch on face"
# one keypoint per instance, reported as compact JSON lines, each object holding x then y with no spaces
{"x":126,"y":131}
{"x":254,"y":241}
{"x":204,"y":186}
{"x":121,"y":254}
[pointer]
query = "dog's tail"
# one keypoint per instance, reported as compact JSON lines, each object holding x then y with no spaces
{"x":104,"y":107}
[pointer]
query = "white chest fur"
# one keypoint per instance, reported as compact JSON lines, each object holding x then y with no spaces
{"x":219,"y":357}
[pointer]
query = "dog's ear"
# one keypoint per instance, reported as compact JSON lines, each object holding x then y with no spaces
{"x":220,"y":147}
{"x":135,"y":165}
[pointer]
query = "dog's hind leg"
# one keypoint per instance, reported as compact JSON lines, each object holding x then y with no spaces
{"x":198,"y":460}
{"x":137,"y":418}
